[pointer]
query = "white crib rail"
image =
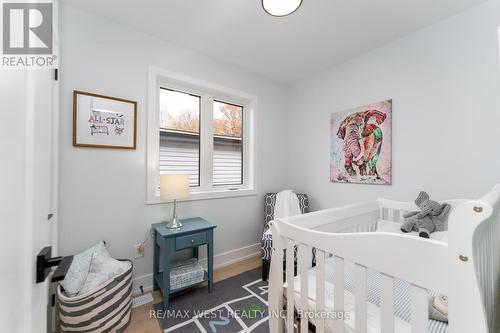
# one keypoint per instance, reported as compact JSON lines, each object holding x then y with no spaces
{"x":394,"y":210}
{"x":338,"y":219}
{"x":290,"y":267}
{"x":387,"y":303}
{"x":392,"y":254}
{"x":338,"y":298}
{"x":474,"y":250}
{"x":467,"y":269}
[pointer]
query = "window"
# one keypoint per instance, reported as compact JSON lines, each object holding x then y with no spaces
{"x":180,"y":134}
{"x":228,"y":144}
{"x":203,"y":130}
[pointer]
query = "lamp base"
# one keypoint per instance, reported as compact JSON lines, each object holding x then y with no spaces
{"x":174,"y":223}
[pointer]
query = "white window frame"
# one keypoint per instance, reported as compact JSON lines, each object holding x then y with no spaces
{"x":208,"y":92}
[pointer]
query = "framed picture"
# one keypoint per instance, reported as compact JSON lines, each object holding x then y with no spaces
{"x":361,"y":145}
{"x":104,"y":122}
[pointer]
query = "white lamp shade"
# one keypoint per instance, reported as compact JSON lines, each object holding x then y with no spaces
{"x":174,"y":187}
{"x":281,"y":7}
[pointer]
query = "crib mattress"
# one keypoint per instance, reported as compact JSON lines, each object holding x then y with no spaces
{"x":402,"y":300}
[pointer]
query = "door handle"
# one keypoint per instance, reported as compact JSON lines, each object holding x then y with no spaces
{"x":44,"y":263}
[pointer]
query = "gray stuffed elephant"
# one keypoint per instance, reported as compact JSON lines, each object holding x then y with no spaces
{"x":432,"y":216}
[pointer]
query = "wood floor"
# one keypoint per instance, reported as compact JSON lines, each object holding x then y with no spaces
{"x":141,"y":321}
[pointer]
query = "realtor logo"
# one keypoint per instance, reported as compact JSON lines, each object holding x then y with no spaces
{"x":27,"y":38}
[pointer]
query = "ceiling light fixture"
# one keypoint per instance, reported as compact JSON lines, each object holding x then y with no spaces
{"x":281,"y":7}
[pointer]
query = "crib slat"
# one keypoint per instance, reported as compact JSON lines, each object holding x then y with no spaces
{"x":290,"y":265}
{"x":304,"y":284}
{"x":419,"y":309}
{"x":384,"y":213}
{"x":320,"y":290}
{"x":397,"y":215}
{"x":390,"y":214}
{"x":387,"y":303}
{"x":338,"y":293}
{"x":360,"y":299}
{"x":310,"y":258}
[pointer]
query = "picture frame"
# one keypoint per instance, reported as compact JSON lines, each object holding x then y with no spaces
{"x":361,"y":144}
{"x":101,"y":121}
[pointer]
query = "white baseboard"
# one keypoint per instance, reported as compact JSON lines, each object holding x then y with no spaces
{"x":220,"y":260}
{"x":146,"y":281}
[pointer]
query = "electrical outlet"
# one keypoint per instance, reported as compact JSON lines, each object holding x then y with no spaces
{"x":138,"y":251}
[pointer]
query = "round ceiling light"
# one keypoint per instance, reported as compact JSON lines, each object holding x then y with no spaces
{"x":281,"y":7}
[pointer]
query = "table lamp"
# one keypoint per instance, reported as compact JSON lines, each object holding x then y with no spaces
{"x":174,"y":187}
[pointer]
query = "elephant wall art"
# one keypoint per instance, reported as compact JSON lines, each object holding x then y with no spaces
{"x":361,"y":149}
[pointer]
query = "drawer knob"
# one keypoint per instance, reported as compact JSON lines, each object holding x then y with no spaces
{"x":192,"y":241}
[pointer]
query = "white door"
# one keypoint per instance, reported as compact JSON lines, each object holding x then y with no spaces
{"x":29,"y":103}
{"x":28,"y":162}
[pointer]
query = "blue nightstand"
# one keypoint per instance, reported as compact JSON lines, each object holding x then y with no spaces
{"x":193,"y":233}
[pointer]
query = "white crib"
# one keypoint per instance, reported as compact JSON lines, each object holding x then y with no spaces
{"x":467,"y":268}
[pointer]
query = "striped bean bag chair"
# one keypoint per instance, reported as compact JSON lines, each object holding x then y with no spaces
{"x":106,"y":309}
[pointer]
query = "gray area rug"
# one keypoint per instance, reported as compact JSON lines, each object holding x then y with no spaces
{"x":237,"y":304}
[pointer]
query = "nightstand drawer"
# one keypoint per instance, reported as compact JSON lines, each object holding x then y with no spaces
{"x":184,"y":242}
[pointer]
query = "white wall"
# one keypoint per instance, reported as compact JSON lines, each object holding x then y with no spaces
{"x":103,"y":191}
{"x":445,"y":85}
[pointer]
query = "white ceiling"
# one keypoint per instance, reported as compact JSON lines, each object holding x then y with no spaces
{"x":320,"y":34}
